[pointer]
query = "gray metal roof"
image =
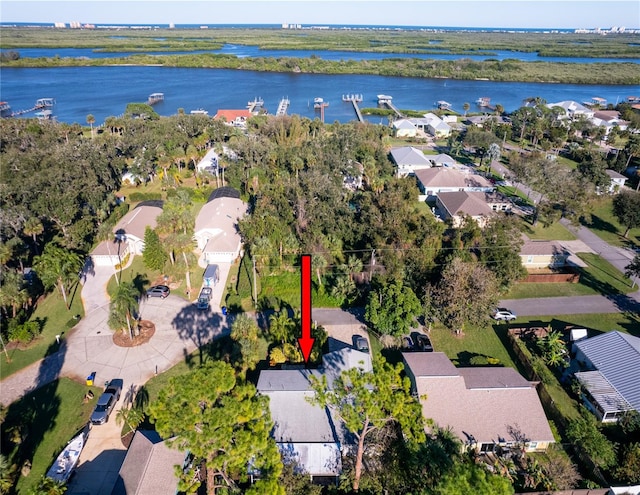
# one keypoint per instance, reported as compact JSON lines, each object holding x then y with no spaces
{"x":408,"y":155}
{"x":285,"y":380}
{"x":602,"y":391}
{"x":616,"y":356}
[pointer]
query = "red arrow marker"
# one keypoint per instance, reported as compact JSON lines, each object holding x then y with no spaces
{"x":306,"y":342}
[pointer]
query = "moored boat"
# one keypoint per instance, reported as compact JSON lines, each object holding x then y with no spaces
{"x":67,"y":460}
{"x":5,"y":109}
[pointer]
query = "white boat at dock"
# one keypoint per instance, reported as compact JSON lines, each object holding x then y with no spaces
{"x":45,"y":103}
{"x":155,"y":98}
{"x":66,"y":462}
{"x":319,"y":103}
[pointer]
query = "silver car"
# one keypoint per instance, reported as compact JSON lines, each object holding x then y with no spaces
{"x":103,"y":409}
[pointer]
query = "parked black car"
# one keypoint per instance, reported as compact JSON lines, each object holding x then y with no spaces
{"x":423,"y":343}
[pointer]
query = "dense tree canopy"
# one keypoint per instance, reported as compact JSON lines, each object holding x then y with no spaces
{"x":222,"y":421}
{"x":368,"y":401}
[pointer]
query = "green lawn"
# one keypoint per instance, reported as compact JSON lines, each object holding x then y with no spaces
{"x":285,"y":287}
{"x":600,"y":277}
{"x":606,"y":226}
{"x":489,"y":341}
{"x":45,"y":420}
{"x":555,"y":232}
{"x":57,"y":320}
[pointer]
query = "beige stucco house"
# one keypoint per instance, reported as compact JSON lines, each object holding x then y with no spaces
{"x":486,"y":407}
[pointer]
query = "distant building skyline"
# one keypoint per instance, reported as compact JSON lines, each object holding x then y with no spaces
{"x":523,"y":14}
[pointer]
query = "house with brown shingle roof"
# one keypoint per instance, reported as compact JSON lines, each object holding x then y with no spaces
{"x":458,"y":204}
{"x":433,"y":181}
{"x":148,"y":468}
{"x":486,"y":407}
{"x":543,"y":254}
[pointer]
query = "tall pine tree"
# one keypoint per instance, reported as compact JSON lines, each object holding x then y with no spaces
{"x":153,"y":256}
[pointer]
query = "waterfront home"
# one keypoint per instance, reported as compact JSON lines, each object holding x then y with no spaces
{"x":609,"y":119}
{"x":436,"y":126}
{"x":236,"y":118}
{"x":404,"y":128}
{"x":572,"y":109}
{"x":609,"y":374}
{"x":216,"y":229}
{"x":491,"y":409}
{"x":128,"y":238}
{"x":409,"y":159}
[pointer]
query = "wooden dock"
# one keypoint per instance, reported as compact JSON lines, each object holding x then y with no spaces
{"x":354,"y":99}
{"x":282,"y":107}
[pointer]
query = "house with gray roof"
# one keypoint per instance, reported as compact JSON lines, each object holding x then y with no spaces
{"x":404,"y":128}
{"x":609,"y":374}
{"x":488,"y":408}
{"x":216,"y":229}
{"x":572,"y":109}
{"x":617,"y":181}
{"x":148,"y":468}
{"x":409,"y":159}
{"x":310,"y":436}
{"x":128,"y":235}
{"x":442,"y":160}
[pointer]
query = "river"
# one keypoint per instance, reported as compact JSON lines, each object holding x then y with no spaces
{"x":105,"y":91}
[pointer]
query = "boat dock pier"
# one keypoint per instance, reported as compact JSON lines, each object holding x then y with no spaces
{"x":155,"y":98}
{"x":385,"y":101}
{"x":282,"y":107}
{"x":256,"y":105}
{"x":354,"y":99}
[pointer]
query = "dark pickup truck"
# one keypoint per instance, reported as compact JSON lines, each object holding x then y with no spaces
{"x":107,"y":401}
{"x":205,"y":297}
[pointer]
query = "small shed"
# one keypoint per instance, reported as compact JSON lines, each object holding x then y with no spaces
{"x":211,"y":275}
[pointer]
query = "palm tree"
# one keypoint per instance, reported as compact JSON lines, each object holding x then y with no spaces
{"x":33,"y":227}
{"x":466,"y":107}
{"x":184,"y":244}
{"x":281,"y":327}
{"x":493,"y":154}
{"x":91,"y":120}
{"x":354,"y":265}
{"x":123,"y":304}
{"x":58,"y":267}
{"x":132,"y":417}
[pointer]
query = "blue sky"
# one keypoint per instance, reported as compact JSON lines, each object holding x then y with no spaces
{"x":463,"y":13}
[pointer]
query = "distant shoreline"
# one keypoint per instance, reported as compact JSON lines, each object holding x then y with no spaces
{"x":302,"y":27}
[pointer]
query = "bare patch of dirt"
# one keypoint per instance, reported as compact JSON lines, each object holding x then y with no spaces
{"x":145,"y":332}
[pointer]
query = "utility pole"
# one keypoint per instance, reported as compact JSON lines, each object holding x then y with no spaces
{"x":255,"y":288}
{"x":373,"y":262}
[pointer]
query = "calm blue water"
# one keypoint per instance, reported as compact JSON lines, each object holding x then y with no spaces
{"x":254,"y":51}
{"x":105,"y":91}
